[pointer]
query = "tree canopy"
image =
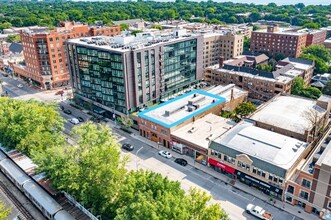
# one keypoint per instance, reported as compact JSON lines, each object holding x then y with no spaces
{"x":241,"y":111}
{"x":30,"y":125}
{"x":50,"y":13}
{"x":299,"y":89}
{"x":4,"y":212}
{"x":320,"y":54}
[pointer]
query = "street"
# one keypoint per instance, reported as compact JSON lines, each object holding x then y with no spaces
{"x":232,"y":200}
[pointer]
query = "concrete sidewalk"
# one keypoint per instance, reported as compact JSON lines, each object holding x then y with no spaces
{"x":295,"y":210}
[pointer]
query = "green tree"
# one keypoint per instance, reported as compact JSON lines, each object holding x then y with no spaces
{"x":4,"y":212}
{"x":247,"y":44}
{"x":30,"y":125}
{"x":312,"y":25}
{"x":319,"y":51}
{"x":265,"y":67}
{"x":5,"y":25}
{"x":14,"y":38}
{"x":91,"y":170}
{"x":299,"y":89}
{"x":321,"y":66}
{"x":148,"y":195}
{"x":244,"y":109}
{"x":327,"y":88}
{"x":124,"y":27}
{"x":126,"y":121}
{"x":157,"y":26}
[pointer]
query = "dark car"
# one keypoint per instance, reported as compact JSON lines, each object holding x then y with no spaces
{"x":80,"y":119}
{"x":128,"y":147}
{"x":5,"y":74}
{"x":67,"y":111}
{"x":181,"y":161}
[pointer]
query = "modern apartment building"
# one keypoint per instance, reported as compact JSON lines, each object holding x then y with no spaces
{"x":123,"y":74}
{"x":226,"y":44}
{"x":45,"y":53}
{"x":278,"y":42}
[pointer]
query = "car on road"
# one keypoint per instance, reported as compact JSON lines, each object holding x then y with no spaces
{"x":60,"y":92}
{"x":5,"y":74}
{"x":258,"y":212}
{"x":20,"y":86}
{"x":181,"y":161}
{"x":75,"y":121}
{"x":165,"y":154}
{"x":67,"y":111}
{"x":127,"y":147}
{"x":80,"y":119}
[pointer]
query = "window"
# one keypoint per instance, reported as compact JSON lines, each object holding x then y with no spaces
{"x":288,"y":198}
{"x":305,"y":183}
{"x":329,"y":205}
{"x":304,"y":195}
{"x":254,"y":170}
{"x":164,"y":132}
{"x":270,"y":177}
{"x":263,"y":174}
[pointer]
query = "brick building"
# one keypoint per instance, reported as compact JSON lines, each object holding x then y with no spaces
{"x":314,"y":36}
{"x":45,"y":52}
{"x":158,"y":123}
{"x":226,"y":44}
{"x":276,"y":41}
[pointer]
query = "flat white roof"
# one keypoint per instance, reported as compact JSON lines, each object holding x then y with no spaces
{"x":292,"y":73}
{"x":276,"y":149}
{"x":182,"y":108}
{"x":226,"y":91}
{"x":203,"y":130}
{"x":288,"y":112}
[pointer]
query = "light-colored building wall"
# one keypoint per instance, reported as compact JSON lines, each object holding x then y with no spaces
{"x":228,"y":45}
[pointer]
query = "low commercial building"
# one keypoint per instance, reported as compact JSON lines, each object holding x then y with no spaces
{"x":310,"y":185}
{"x":255,"y":156}
{"x":5,"y":60}
{"x":194,"y":138}
{"x":293,"y":116}
{"x":158,"y":123}
{"x":248,"y":60}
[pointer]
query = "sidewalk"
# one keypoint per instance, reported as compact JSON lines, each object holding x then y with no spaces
{"x":295,"y":210}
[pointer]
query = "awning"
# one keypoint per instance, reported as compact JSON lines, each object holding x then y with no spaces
{"x":221,"y":165}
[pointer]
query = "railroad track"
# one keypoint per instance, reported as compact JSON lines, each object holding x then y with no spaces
{"x":25,"y":215}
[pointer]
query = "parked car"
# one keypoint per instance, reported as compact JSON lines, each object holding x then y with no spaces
{"x":5,"y":74}
{"x":181,"y":161}
{"x":259,"y":212}
{"x":60,"y":92}
{"x":127,"y":147}
{"x":165,"y":154}
{"x":75,"y":121}
{"x":67,"y":111}
{"x":80,"y":119}
{"x":20,"y":86}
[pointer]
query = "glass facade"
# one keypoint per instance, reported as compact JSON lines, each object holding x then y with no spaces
{"x":101,"y":77}
{"x":180,"y":64}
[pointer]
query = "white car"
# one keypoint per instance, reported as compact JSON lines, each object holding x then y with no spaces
{"x":259,"y":212}
{"x":20,"y":86}
{"x":165,"y":154}
{"x":75,"y":121}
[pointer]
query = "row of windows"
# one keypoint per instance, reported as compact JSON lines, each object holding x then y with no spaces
{"x":242,"y":165}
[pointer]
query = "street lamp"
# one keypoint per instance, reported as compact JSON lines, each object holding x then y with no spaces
{"x":137,"y":157}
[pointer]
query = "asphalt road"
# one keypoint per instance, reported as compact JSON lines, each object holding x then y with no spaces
{"x":232,"y":200}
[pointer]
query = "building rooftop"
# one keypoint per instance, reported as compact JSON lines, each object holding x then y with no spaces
{"x":267,"y":149}
{"x":297,"y":63}
{"x":285,"y":31}
{"x":252,"y":73}
{"x":288,"y":112}
{"x":325,"y":158}
{"x":182,"y":108}
{"x":204,"y":130}
{"x":127,"y":42}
